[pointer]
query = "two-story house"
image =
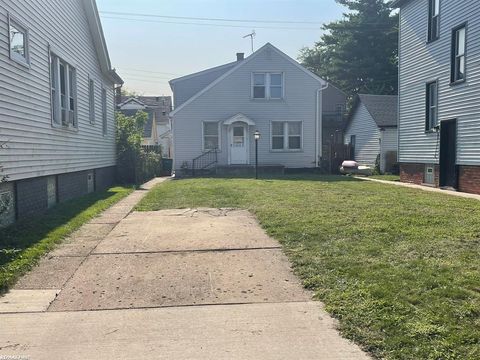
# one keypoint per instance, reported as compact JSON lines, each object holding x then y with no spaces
{"x":439,"y":83}
{"x":219,"y":110}
{"x":56,"y":104}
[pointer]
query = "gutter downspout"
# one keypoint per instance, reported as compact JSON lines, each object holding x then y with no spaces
{"x":318,"y":123}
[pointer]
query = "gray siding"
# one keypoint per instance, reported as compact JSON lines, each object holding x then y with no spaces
{"x":185,"y":88}
{"x":35,"y":148}
{"x":420,"y":63}
{"x":232,"y":95}
{"x":367,"y":135}
{"x":389,"y":142}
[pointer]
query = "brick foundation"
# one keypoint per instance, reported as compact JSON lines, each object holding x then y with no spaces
{"x":468,"y":177}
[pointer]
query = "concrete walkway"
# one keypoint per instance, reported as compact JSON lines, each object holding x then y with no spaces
{"x":172,"y":284}
{"x":422,"y":187}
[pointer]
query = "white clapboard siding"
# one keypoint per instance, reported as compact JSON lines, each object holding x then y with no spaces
{"x":389,"y":143}
{"x":421,"y":62}
{"x":34,"y":147}
{"x":367,"y":135}
{"x":232,"y":95}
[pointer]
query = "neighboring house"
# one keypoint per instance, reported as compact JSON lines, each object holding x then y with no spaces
{"x":439,"y":87}
{"x":56,"y":104}
{"x":372,"y":130}
{"x":157,"y":130}
{"x":221,"y":108}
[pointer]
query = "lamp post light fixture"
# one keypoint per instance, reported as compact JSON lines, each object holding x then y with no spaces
{"x":256,"y":135}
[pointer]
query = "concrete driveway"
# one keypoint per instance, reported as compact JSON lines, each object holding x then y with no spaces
{"x":173,"y":284}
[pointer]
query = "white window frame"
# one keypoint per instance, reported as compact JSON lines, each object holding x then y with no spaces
{"x":104,"y":111}
{"x":268,"y":85}
{"x":56,"y":103}
{"x":22,"y":60}
{"x":218,"y":135}
{"x":286,"y":136}
{"x":91,"y":100}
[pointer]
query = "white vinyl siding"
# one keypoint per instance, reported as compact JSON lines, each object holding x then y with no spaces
{"x":35,"y":147}
{"x":91,"y":100}
{"x":420,"y":63}
{"x":389,"y":143}
{"x":367,"y":136}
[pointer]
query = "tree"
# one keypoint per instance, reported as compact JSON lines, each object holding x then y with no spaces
{"x":360,"y":52}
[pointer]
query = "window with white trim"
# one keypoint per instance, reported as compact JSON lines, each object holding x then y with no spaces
{"x":286,"y":135}
{"x":104,"y":111}
{"x":267,"y":86}
{"x":91,"y":100}
{"x":459,"y":44}
{"x":210,"y":135}
{"x":63,"y":92}
{"x":18,"y":40}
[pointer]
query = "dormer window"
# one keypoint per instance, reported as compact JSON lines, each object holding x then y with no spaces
{"x":433,"y":19}
{"x":267,"y":86}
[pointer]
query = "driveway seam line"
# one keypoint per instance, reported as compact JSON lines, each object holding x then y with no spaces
{"x":185,"y":251}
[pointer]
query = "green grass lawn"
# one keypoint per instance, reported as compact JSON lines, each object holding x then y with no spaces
{"x":400,"y":268}
{"x":22,"y":244}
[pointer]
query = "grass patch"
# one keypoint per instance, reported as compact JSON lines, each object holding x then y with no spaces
{"x":398,"y":267}
{"x":22,"y":244}
{"x":386,"y":177}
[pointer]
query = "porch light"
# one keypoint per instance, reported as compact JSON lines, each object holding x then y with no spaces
{"x":256,"y":134}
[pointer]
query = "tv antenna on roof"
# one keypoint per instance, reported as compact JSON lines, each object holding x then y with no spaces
{"x":252,"y":36}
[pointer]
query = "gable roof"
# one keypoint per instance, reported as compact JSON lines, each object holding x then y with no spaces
{"x":226,"y":67}
{"x":239,"y":64}
{"x":99,"y":42}
{"x":382,"y":108}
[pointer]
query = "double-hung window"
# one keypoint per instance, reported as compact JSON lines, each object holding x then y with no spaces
{"x":459,"y":36}
{"x":210,"y":136}
{"x":431,"y":119}
{"x":267,"y":85}
{"x":63,"y":92}
{"x":91,"y":100}
{"x":433,"y":19}
{"x":286,"y":135}
{"x":18,"y":39}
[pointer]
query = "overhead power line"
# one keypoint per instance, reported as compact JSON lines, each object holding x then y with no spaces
{"x":207,"y":24}
{"x":147,"y":71}
{"x":212,"y":19}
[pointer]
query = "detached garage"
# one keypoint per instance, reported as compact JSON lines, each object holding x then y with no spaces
{"x":372,"y":130}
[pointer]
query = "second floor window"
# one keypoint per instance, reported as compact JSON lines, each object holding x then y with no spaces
{"x":431,"y":119}
{"x":63,"y":92}
{"x":267,"y":86}
{"x":433,"y":19}
{"x":458,"y":54}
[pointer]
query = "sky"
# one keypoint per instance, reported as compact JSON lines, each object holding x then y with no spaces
{"x":148,"y":51}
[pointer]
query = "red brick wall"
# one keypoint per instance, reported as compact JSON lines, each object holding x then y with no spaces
{"x":469,"y":179}
{"x":412,"y":173}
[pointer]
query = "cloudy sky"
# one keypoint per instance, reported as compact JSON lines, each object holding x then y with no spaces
{"x":165,"y":42}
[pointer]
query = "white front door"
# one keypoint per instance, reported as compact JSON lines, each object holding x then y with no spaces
{"x":238,"y":144}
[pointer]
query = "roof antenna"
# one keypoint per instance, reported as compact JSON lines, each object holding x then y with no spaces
{"x":252,"y":36}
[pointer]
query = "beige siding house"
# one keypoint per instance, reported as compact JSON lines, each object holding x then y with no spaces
{"x":266,"y":92}
{"x":56,"y":103}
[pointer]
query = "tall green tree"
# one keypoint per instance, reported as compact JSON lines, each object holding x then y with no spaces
{"x":359,"y":53}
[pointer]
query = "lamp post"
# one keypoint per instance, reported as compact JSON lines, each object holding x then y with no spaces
{"x":257,"y":137}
